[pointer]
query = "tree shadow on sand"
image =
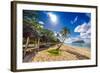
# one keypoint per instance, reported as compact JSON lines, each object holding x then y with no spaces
{"x":78,"y":55}
{"x":31,"y":54}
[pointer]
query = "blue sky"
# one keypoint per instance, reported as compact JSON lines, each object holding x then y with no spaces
{"x":64,"y":19}
{"x":77,"y":23}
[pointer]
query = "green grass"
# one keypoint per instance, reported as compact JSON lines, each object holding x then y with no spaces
{"x":54,"y":52}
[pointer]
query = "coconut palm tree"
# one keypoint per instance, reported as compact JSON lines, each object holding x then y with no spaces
{"x":39,"y":28}
{"x":30,"y":26}
{"x":48,"y":34}
{"x":33,"y":28}
{"x":28,"y":32}
{"x":64,"y":33}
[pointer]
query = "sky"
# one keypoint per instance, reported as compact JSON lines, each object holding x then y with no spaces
{"x":79,"y":24}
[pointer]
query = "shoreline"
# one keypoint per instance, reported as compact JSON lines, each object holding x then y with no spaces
{"x":68,"y":53}
{"x":89,"y":49}
{"x":76,"y":46}
{"x":82,"y":51}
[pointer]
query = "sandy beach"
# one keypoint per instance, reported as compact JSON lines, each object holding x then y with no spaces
{"x":67,"y":53}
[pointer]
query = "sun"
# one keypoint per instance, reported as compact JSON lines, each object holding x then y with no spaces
{"x":53,"y":17}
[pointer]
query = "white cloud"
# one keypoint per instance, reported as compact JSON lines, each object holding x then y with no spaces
{"x":87,"y":40}
{"x":55,"y":33}
{"x":58,"y":35}
{"x":82,"y":28}
{"x":85,"y":31}
{"x":77,"y":29}
{"x":72,"y":39}
{"x":68,"y":40}
{"x":40,"y":22}
{"x":75,"y":19}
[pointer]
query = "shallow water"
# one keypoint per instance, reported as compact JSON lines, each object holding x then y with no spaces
{"x":81,"y":45}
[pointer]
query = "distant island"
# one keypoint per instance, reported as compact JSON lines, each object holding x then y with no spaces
{"x":78,"y":41}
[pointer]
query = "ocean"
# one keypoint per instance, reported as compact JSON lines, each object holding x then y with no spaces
{"x":81,"y":45}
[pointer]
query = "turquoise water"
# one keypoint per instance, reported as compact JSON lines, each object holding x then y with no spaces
{"x":81,"y":45}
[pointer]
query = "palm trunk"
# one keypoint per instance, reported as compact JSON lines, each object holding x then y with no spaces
{"x":60,"y":45}
{"x":38,"y":43}
{"x":35,"y":42}
{"x":27,"y":42}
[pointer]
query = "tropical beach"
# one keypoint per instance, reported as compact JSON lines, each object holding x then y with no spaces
{"x":56,"y":36}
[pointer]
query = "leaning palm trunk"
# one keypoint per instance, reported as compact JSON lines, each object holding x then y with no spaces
{"x":60,"y":45}
{"x":27,"y":42}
